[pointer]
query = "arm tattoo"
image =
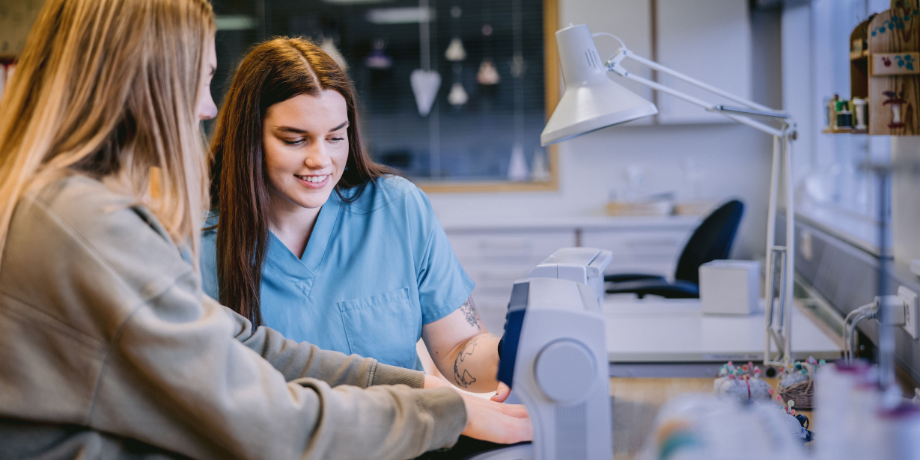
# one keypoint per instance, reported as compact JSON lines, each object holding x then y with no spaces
{"x":464,"y":379}
{"x":469,"y":311}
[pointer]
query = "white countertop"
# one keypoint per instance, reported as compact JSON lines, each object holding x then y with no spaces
{"x":569,"y":223}
{"x":675,"y":330}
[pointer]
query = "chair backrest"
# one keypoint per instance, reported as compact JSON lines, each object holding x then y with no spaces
{"x":712,"y":240}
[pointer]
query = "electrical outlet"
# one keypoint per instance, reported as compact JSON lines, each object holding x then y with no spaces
{"x":912,"y":325}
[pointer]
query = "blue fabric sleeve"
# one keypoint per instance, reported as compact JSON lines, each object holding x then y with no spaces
{"x":208,"y":260}
{"x":443,"y":285}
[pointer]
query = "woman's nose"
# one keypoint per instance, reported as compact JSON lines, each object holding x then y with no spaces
{"x":317,"y":157}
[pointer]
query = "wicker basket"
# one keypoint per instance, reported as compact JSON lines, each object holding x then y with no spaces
{"x":803,"y":393}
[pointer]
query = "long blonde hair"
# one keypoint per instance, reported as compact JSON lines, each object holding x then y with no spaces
{"x":108,"y":88}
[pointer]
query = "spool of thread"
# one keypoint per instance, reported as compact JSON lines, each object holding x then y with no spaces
{"x":859,"y":106}
{"x":899,"y":433}
{"x":834,"y":384}
{"x":862,"y":425}
{"x":844,"y":116}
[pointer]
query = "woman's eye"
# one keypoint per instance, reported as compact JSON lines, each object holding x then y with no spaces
{"x":295,"y":142}
{"x":336,"y":139}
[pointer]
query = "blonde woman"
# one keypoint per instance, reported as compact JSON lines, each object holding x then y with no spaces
{"x":108,"y":347}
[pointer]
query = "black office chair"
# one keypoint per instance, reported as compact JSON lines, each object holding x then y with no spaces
{"x":712,"y":240}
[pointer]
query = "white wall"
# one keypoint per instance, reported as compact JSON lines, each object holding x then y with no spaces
{"x":731,"y":160}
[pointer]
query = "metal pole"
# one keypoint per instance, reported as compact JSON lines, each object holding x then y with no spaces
{"x":771,"y":240}
{"x":790,"y":246}
{"x":885,"y":332}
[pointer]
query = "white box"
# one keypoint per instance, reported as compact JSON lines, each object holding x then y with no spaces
{"x":730,"y":287}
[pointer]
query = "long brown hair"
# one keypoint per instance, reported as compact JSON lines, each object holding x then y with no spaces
{"x":108,"y":88}
{"x":272,"y":72}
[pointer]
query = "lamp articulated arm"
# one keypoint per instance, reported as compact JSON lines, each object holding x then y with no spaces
{"x":735,"y":113}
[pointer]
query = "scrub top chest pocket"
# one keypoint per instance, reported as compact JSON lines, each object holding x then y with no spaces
{"x":384,"y":326}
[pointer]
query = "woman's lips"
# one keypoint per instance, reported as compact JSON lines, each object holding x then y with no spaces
{"x":313,"y":182}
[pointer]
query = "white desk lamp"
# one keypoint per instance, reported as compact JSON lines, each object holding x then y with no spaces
{"x":592,"y":101}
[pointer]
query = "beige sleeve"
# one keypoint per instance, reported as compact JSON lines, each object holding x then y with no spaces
{"x":180,"y":380}
{"x":297,"y":360}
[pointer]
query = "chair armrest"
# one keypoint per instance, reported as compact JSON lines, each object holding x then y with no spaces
{"x":623,"y":277}
{"x":676,"y":290}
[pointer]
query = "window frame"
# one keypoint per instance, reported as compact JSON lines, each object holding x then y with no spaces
{"x":553,"y":86}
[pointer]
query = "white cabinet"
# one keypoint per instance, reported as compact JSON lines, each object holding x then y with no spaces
{"x":653,"y":251}
{"x":496,"y":254}
{"x":709,"y":40}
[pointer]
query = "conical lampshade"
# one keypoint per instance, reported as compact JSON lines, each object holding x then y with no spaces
{"x":591,"y":100}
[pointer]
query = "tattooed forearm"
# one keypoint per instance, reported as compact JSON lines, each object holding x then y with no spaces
{"x":472,"y":316}
{"x":463,"y":377}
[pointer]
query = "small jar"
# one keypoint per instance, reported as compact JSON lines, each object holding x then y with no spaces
{"x":844,"y":115}
{"x":859,"y":107}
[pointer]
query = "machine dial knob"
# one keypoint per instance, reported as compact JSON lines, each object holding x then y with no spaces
{"x":565,"y":370}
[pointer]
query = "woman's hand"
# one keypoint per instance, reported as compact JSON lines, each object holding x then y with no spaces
{"x":491,"y":420}
{"x":502,"y":393}
{"x":495,"y":422}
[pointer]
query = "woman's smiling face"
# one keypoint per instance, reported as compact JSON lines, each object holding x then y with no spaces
{"x":305,"y":140}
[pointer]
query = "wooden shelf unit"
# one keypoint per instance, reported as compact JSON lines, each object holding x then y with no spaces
{"x":885,"y":71}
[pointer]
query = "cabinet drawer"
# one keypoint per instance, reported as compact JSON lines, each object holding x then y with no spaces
{"x":637,"y":244}
{"x":509,"y":247}
{"x":650,"y":249}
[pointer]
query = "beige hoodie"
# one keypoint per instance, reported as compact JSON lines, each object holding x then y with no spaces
{"x":109,"y":349}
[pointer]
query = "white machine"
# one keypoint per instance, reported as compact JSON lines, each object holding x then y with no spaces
{"x":554,"y":357}
{"x":582,"y":265}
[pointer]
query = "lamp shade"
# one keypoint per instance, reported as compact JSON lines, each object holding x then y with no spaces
{"x":591,"y":100}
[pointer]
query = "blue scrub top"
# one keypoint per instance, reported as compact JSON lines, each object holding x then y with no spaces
{"x":374,"y":271}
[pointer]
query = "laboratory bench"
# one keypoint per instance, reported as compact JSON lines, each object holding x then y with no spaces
{"x":657,"y":349}
{"x":673,"y":338}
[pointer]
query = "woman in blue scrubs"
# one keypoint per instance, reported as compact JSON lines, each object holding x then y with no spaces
{"x":310,"y":237}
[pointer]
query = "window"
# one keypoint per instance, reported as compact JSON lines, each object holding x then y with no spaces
{"x":834,"y":187}
{"x":488,"y":110}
